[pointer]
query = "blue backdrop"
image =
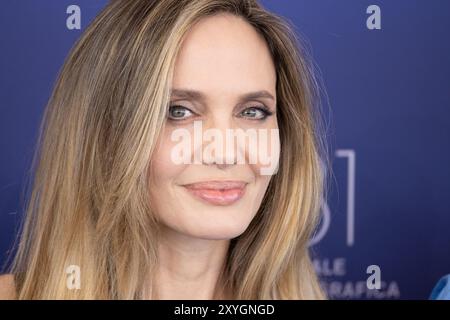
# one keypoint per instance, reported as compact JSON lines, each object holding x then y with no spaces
{"x":386,"y":73}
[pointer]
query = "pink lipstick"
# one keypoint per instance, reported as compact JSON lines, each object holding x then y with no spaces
{"x":221,"y":193}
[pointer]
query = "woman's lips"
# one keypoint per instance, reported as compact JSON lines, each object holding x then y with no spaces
{"x":218,"y":192}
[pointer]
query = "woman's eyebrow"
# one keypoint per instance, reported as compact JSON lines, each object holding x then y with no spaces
{"x":199,"y":96}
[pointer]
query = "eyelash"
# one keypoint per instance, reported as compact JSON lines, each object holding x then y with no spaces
{"x":266,"y":112}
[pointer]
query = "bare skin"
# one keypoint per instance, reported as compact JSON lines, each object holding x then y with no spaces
{"x":189,"y":269}
{"x":7,"y":288}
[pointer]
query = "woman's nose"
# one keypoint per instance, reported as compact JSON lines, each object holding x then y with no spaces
{"x":219,"y":138}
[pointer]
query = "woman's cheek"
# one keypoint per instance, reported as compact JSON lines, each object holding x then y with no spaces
{"x":164,"y":168}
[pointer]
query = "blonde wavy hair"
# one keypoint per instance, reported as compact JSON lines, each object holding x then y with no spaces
{"x":89,"y":200}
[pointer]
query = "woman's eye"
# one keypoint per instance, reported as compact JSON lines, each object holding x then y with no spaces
{"x":179,"y":113}
{"x":255,"y":113}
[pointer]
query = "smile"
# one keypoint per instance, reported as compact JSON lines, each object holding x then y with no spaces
{"x":220,"y":193}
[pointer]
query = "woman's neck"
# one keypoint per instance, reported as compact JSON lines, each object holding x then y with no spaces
{"x":190,"y":268}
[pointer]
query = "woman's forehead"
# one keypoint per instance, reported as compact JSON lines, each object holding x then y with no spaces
{"x":224,"y":52}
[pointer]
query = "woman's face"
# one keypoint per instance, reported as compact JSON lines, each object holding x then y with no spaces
{"x":223,"y":58}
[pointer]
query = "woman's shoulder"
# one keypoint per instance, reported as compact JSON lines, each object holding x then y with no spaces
{"x":7,"y":287}
{"x":441,"y":290}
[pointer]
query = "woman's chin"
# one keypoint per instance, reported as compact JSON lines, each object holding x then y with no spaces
{"x":216,"y":232}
